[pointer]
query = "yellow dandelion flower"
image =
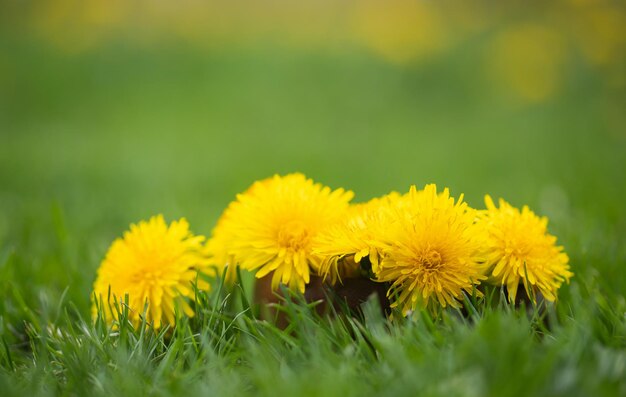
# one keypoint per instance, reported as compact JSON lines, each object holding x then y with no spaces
{"x":219,"y":245}
{"x":346,"y":243}
{"x":430,"y":250}
{"x":155,"y":264}
{"x":220,"y":258}
{"x":518,"y":248}
{"x":272,"y":225}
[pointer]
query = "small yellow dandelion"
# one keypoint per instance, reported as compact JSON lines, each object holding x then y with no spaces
{"x":154,"y":264}
{"x":346,"y":243}
{"x":518,"y":248}
{"x":270,"y":227}
{"x":429,"y":252}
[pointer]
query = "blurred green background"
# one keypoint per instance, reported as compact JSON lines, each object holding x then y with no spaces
{"x":112,"y":111}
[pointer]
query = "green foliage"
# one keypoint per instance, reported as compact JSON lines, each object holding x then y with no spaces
{"x":91,"y":143}
{"x":498,"y":351}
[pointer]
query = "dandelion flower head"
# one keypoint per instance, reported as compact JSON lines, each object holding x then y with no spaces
{"x":273,"y":224}
{"x":154,"y":264}
{"x":518,"y":248}
{"x":430,"y":254}
{"x":345,"y":244}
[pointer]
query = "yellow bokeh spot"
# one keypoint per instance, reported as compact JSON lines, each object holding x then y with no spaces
{"x":602,"y":34}
{"x":75,"y":25}
{"x":527,"y":60}
{"x":400,"y":30}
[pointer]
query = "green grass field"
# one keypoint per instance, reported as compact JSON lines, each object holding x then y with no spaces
{"x":91,"y":143}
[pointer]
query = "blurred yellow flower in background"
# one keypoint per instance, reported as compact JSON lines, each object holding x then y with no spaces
{"x":430,"y":250}
{"x":400,"y":31}
{"x":600,"y":31}
{"x":518,"y":249}
{"x":75,"y":25}
{"x":271,"y":227}
{"x":527,"y":60}
{"x":155,"y":265}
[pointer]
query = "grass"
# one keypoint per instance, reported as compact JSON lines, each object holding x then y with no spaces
{"x":91,"y":143}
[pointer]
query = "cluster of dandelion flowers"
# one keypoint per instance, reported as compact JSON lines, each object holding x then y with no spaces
{"x":517,"y":248}
{"x":429,"y":250}
{"x":153,"y":264}
{"x":349,"y":246}
{"x":272,"y":225}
